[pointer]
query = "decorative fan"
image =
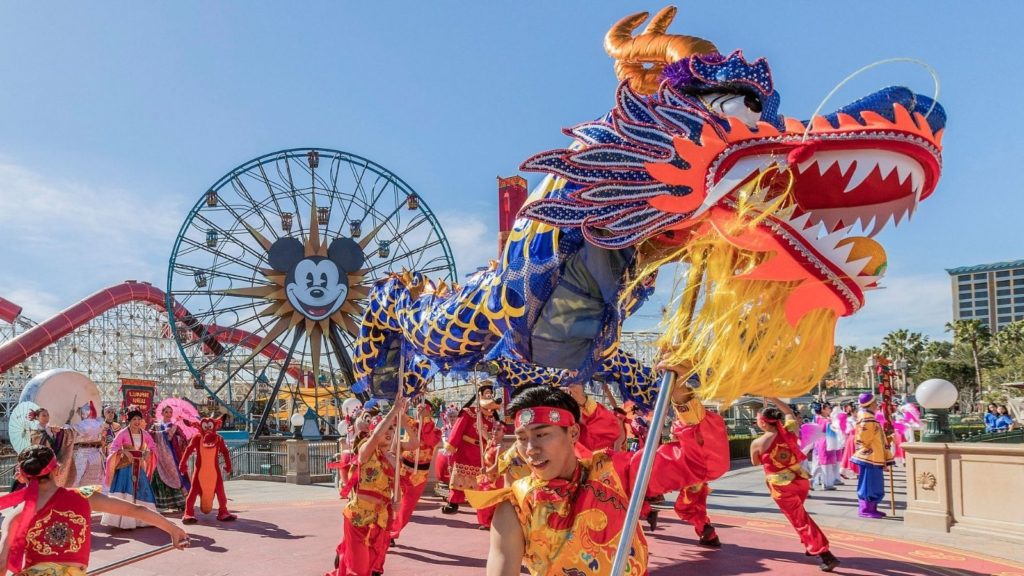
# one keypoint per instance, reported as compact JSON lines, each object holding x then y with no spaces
{"x":20,"y":426}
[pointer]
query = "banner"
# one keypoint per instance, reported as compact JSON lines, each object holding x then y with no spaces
{"x":139,"y":393}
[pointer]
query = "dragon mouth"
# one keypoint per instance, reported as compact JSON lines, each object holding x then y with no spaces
{"x":844,"y":186}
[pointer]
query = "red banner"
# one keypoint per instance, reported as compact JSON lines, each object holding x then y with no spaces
{"x":139,"y":393}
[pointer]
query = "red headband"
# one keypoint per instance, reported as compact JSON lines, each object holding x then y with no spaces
{"x":544,"y":415}
{"x":29,"y":495}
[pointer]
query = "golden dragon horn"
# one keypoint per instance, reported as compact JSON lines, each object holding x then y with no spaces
{"x":653,"y":46}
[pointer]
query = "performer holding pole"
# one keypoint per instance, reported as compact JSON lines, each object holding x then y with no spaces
{"x":468,"y":445}
{"x":871,"y":457}
{"x":28,"y":547}
{"x":416,"y":465}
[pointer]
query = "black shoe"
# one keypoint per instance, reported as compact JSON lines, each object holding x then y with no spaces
{"x":652,"y":520}
{"x":708,"y":537}
{"x":449,"y":509}
{"x":828,"y":561}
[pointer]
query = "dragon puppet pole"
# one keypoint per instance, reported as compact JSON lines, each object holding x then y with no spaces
{"x":396,"y":494}
{"x":885,"y":388}
{"x":131,"y":560}
{"x":636,"y":499}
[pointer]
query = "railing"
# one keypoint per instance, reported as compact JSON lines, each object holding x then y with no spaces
{"x":262,"y":459}
{"x":320,"y":453}
{"x":1010,"y":437}
{"x":267,"y":459}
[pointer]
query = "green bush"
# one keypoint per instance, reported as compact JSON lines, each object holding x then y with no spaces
{"x":966,"y":429}
{"x":739,"y":447}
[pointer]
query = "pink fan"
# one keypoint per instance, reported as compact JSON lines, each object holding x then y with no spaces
{"x":183,"y":410}
{"x":809,"y":434}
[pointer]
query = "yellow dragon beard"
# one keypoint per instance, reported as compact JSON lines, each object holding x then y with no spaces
{"x":733,"y":332}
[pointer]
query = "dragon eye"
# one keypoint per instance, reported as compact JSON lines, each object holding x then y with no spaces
{"x":753,"y":102}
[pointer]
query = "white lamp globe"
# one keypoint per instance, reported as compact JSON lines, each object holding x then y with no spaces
{"x":936,"y":394}
{"x":297,"y":419}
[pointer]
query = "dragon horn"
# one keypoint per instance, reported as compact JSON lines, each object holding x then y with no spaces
{"x":652,"y":46}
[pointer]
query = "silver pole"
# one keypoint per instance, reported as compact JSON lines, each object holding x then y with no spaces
{"x":636,"y":500}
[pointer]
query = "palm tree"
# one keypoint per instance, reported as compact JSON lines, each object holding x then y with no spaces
{"x":974,"y":335}
{"x":1010,"y":339}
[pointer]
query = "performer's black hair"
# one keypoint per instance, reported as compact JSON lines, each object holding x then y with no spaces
{"x":772,"y":413}
{"x":544,"y":396}
{"x":33,"y":459}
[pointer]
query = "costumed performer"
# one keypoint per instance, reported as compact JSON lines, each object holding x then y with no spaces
{"x":110,"y":428}
{"x":849,"y":427}
{"x":470,"y":443}
{"x":50,"y":532}
{"x":417,"y":455}
{"x":828,"y":449}
{"x":169,"y":484}
{"x":129,"y":470}
{"x":41,"y":433}
{"x":697,"y":454}
{"x":366,"y":519}
{"x":207,"y":480}
{"x":567,"y":516}
{"x":87,"y":436}
{"x":778,"y":451}
{"x":872,"y":456}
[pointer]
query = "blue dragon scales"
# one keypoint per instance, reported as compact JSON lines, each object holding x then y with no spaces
{"x":771,"y":217}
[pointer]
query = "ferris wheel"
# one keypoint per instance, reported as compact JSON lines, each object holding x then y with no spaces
{"x":269,"y":275}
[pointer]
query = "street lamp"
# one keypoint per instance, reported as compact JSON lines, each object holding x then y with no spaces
{"x":936,"y":395}
{"x":297,"y":421}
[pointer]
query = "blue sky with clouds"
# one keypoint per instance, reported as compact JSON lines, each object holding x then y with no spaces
{"x":115,"y":117}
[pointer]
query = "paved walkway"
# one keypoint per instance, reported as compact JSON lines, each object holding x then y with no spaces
{"x":286,"y":529}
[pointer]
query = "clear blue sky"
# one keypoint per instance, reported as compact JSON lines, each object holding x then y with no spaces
{"x":115,"y":116}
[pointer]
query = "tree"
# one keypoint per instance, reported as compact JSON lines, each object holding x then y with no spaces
{"x":937,"y":350}
{"x":975,"y":336}
{"x":909,"y":346}
{"x":959,"y":372}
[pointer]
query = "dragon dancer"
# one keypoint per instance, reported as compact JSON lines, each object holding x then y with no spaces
{"x":778,"y":451}
{"x":416,"y":464}
{"x":368,"y":515}
{"x":536,"y":515}
{"x":472,"y":449}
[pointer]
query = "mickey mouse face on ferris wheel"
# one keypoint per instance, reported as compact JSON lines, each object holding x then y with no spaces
{"x":316,"y":286}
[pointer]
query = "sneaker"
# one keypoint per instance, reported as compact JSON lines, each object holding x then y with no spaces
{"x":828,"y":561}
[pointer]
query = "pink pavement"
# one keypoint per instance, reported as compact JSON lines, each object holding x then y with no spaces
{"x":298,"y":538}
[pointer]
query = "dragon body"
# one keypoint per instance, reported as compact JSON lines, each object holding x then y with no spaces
{"x":698,"y":168}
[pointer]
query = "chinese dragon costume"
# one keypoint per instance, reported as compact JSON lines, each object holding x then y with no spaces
{"x":772,"y":218}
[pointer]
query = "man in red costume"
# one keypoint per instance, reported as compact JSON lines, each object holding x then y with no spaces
{"x":416,"y":464}
{"x":600,"y":429}
{"x":206,"y":478}
{"x":698,"y":453}
{"x":472,"y":447}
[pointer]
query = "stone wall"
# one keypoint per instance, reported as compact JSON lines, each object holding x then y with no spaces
{"x":966,"y":487}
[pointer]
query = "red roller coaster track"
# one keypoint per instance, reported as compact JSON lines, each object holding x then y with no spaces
{"x":15,"y":351}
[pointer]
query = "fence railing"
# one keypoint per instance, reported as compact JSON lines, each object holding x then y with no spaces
{"x":262,"y":458}
{"x":1010,"y":437}
{"x":268,"y":459}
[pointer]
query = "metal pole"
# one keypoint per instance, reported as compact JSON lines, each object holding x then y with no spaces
{"x":644,"y":474}
{"x":131,"y":560}
{"x":397,"y":492}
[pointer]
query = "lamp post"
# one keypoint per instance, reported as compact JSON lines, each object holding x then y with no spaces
{"x":297,"y":421}
{"x":936,"y":395}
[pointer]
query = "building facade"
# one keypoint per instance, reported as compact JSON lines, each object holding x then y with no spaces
{"x":991,"y":293}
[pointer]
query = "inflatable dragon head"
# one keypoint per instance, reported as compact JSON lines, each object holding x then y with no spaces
{"x":775,"y":216}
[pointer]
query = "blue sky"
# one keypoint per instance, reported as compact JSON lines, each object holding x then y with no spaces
{"x":115,"y":116}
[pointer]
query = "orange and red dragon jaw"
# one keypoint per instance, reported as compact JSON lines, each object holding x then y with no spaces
{"x":669,"y":166}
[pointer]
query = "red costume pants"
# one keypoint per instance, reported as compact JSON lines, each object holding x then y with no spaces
{"x":410,"y":497}
{"x":790,"y":499}
{"x":692,"y":506}
{"x":362,"y":550}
